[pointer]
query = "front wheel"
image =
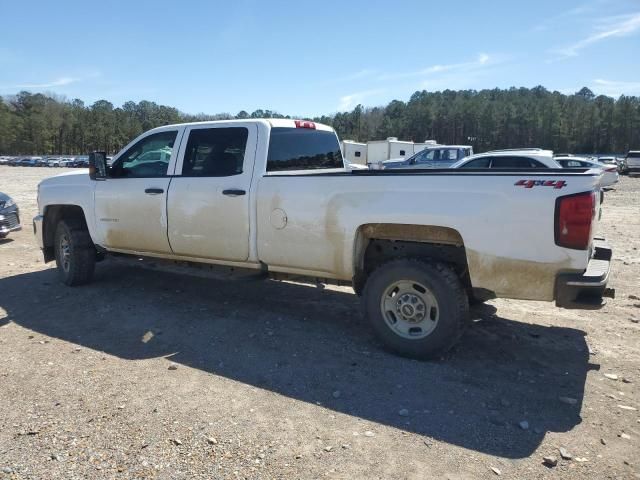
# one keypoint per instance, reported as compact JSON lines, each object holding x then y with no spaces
{"x":416,"y":308}
{"x":75,"y":253}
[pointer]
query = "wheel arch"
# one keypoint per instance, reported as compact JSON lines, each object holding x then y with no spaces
{"x":52,"y":215}
{"x":377,"y":243}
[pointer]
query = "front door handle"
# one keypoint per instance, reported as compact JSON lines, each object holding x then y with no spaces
{"x":153,"y":191}
{"x":234,"y":192}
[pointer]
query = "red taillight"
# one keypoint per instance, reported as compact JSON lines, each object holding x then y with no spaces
{"x":574,"y":215}
{"x":305,"y":124}
{"x":611,"y":169}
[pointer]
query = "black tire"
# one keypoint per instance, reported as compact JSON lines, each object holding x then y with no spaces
{"x":451,"y":307}
{"x":78,"y":266}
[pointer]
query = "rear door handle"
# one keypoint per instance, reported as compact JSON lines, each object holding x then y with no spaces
{"x":234,"y":192}
{"x":153,"y":191}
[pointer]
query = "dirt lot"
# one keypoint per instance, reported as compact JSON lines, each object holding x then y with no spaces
{"x":148,"y":374}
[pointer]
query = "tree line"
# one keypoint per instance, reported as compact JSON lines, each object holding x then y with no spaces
{"x":487,"y":119}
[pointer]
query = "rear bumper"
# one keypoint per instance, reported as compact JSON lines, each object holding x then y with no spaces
{"x":586,"y":290}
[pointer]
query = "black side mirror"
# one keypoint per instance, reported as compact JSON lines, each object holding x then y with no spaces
{"x":98,"y":165}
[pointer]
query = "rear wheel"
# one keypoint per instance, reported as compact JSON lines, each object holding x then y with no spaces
{"x":417,"y":309}
{"x":75,"y":253}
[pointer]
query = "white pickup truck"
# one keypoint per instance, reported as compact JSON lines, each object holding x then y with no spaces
{"x":274,"y":195}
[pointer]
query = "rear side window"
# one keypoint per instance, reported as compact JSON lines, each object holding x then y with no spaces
{"x":450,"y":155}
{"x":302,"y":149}
{"x":633,"y":155}
{"x":515,"y":162}
{"x":571,"y":163}
{"x":478,"y":163}
{"x":215,"y":152}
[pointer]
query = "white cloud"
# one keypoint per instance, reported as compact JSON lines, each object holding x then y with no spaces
{"x":353,"y":99}
{"x":611,"y":27}
{"x":615,"y":88}
{"x":58,"y":82}
{"x":579,"y":11}
{"x":481,"y":61}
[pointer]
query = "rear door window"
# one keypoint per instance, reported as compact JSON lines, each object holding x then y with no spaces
{"x":571,"y":163}
{"x":515,"y":162}
{"x":478,"y":163}
{"x":303,"y":149}
{"x":215,"y":152}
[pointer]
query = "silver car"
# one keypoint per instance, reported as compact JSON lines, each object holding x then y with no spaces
{"x":442,"y":156}
{"x":9,"y":215}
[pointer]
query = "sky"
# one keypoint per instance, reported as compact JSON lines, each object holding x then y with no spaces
{"x":317,"y":57}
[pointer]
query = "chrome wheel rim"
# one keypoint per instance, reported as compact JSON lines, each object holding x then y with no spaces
{"x":65,"y":252}
{"x":410,"y":309}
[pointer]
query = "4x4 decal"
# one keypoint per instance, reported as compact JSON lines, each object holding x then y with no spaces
{"x":541,"y":183}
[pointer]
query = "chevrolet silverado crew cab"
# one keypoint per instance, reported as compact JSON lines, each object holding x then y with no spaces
{"x":274,"y":196}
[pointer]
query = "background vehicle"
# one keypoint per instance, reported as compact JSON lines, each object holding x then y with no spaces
{"x":66,"y":162}
{"x":608,"y":160}
{"x":53,"y":162}
{"x":609,"y":171}
{"x":29,"y":162}
{"x":9,"y":215}
{"x":632,"y":161}
{"x":274,"y":196}
{"x":442,"y":156}
{"x":81,"y":162}
{"x":512,"y":158}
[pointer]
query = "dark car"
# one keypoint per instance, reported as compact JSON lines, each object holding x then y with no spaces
{"x":9,"y":215}
{"x":81,"y":162}
{"x":28,"y":162}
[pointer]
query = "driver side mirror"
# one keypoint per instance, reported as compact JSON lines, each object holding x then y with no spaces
{"x":98,"y":165}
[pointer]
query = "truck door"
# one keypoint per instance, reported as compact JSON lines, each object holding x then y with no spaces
{"x":130,"y":205}
{"x":208,"y":206}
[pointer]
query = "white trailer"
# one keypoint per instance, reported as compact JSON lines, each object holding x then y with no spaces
{"x":354,"y":152}
{"x":418,"y":147}
{"x":381,"y":150}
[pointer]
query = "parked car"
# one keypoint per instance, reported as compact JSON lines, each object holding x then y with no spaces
{"x":66,"y":162}
{"x":442,"y":156}
{"x":632,"y":161}
{"x":29,"y":162}
{"x":81,"y":162}
{"x":510,"y":158}
{"x":4,"y":160}
{"x":610,"y":160}
{"x":609,"y":171}
{"x":9,"y":215}
{"x":274,"y":196}
{"x":607,"y":160}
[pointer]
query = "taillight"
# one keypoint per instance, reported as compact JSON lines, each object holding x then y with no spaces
{"x":305,"y":124}
{"x":611,"y":169}
{"x":574,"y":216}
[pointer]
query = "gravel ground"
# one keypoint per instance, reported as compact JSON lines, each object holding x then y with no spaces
{"x":150,"y":374}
